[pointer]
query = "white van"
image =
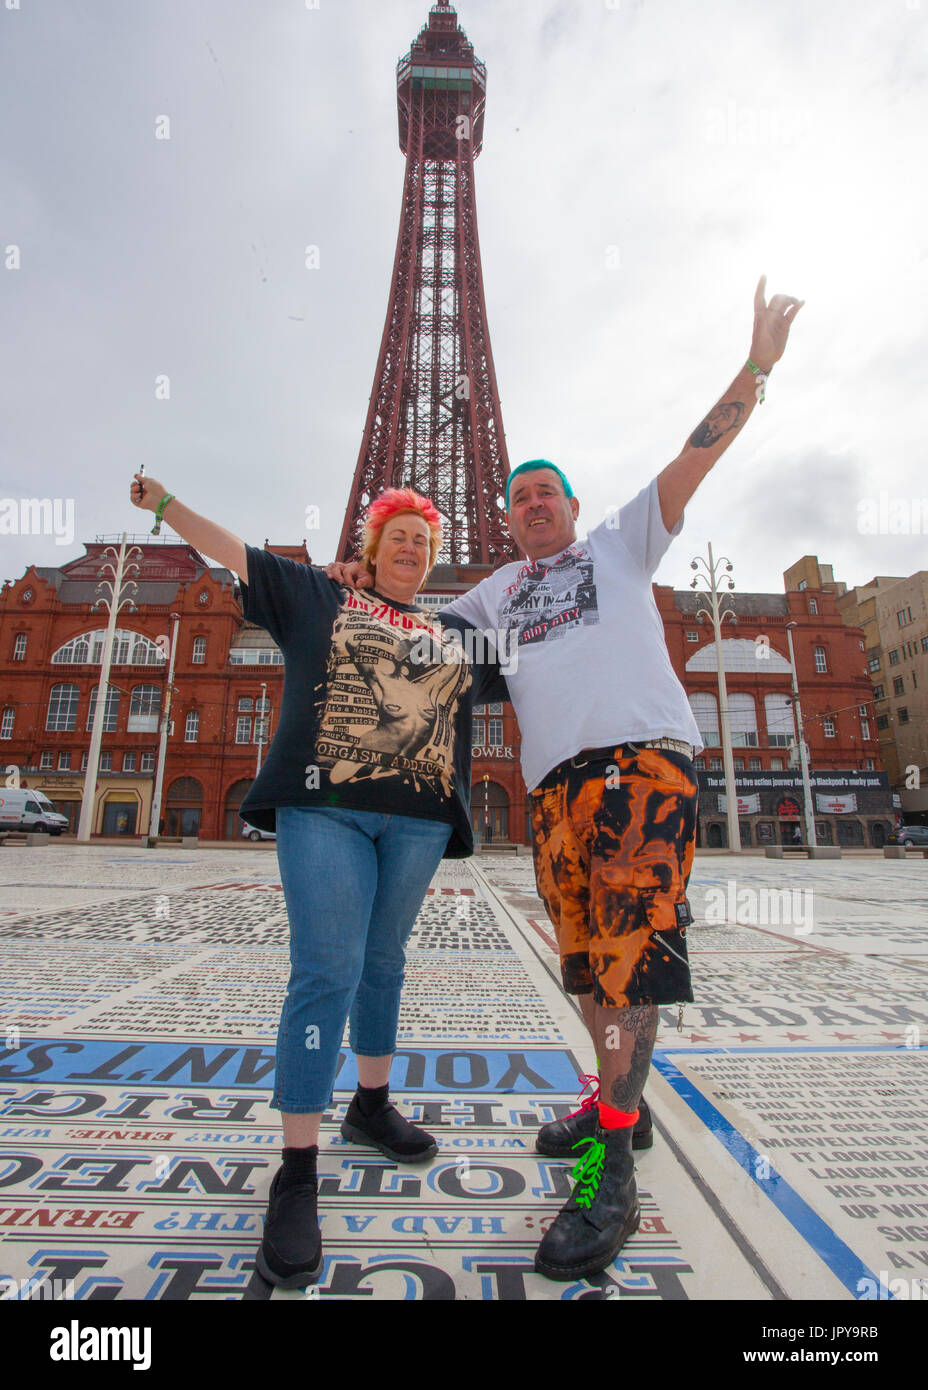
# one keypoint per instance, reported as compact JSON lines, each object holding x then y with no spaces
{"x":21,"y":808}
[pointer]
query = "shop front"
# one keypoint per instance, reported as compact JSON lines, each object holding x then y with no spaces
{"x":852,"y":809}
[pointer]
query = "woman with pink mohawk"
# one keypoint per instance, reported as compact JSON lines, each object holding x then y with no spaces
{"x":367,"y":784}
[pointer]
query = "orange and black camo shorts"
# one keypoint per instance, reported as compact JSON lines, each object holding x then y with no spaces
{"x":614,"y":840}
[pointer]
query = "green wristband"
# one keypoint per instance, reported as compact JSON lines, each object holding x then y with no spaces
{"x":168,"y":497}
{"x":761,"y":381}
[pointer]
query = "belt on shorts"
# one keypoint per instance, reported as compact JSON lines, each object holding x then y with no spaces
{"x":593,"y":755}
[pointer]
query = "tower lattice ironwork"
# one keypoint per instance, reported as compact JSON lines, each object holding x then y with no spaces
{"x":434,"y":421}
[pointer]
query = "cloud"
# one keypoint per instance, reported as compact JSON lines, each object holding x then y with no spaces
{"x":642,"y":165}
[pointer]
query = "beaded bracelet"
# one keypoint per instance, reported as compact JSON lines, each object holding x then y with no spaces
{"x":168,"y":497}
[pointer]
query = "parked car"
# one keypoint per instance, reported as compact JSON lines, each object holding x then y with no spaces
{"x":251,"y":832}
{"x":21,"y":808}
{"x":910,"y":835}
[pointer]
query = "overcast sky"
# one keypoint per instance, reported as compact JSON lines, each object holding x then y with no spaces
{"x":644,"y":161}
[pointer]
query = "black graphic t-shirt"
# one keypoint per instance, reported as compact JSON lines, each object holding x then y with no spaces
{"x":377,"y":701}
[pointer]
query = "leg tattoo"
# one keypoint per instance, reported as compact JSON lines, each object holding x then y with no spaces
{"x":625,"y":1067}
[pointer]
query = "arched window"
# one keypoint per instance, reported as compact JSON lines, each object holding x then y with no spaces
{"x":129,"y":649}
{"x":489,"y":812}
{"x":234,"y":798}
{"x":62,"y":708}
{"x":145,"y":699}
{"x":184,"y":807}
{"x":739,"y":654}
{"x":144,"y":709}
{"x":706,"y":713}
{"x":110,"y":709}
{"x":778,"y":710}
{"x":742,"y":717}
{"x":185,"y":789}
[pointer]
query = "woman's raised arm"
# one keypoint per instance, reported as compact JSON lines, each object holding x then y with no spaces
{"x":204,"y":535}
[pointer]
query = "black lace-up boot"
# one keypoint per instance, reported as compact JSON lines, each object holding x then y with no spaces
{"x":558,"y":1138}
{"x":601,"y":1213}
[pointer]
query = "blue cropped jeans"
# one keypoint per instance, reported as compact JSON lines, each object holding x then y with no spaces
{"x":353,"y":882}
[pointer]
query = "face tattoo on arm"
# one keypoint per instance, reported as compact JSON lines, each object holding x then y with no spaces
{"x":717,"y":423}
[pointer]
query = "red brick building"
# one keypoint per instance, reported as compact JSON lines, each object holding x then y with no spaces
{"x":852,"y":801}
{"x":51,"y":642}
{"x":50,"y":652}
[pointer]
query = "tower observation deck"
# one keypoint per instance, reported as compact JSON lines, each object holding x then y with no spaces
{"x":434,"y":420}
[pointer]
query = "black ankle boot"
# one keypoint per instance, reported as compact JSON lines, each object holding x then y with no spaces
{"x":642,"y":1134}
{"x":384,"y":1128}
{"x":559,"y":1138}
{"x":290,"y":1255}
{"x":601,"y":1213}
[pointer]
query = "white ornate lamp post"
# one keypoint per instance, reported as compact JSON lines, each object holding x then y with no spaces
{"x":163,"y":737}
{"x":717,"y":615}
{"x":801,"y":743}
{"x":114,"y":602}
{"x":262,"y":724}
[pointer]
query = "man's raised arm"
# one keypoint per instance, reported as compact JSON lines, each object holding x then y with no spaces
{"x":680,"y":479}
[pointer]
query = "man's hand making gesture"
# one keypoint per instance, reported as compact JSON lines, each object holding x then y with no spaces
{"x":680,"y":479}
{"x":772,"y":323}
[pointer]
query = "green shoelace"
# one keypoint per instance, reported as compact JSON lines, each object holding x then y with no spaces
{"x":588,"y":1171}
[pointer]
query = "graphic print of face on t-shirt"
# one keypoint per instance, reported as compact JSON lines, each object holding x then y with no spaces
{"x":386,"y":713}
{"x":546,"y":600}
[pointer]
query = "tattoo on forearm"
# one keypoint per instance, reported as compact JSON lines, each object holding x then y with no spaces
{"x":718,"y":422}
{"x":642,"y":1022}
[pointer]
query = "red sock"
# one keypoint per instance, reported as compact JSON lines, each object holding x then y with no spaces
{"x":616,"y":1119}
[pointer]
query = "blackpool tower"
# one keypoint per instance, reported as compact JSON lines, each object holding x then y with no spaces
{"x":434,"y":420}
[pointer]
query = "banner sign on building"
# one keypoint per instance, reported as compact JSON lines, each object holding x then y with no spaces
{"x":837,"y":805}
{"x":782,"y":780}
{"x":779,"y":793}
{"x":747,"y":805}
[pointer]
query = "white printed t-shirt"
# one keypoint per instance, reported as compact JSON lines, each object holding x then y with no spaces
{"x":588,"y":645}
